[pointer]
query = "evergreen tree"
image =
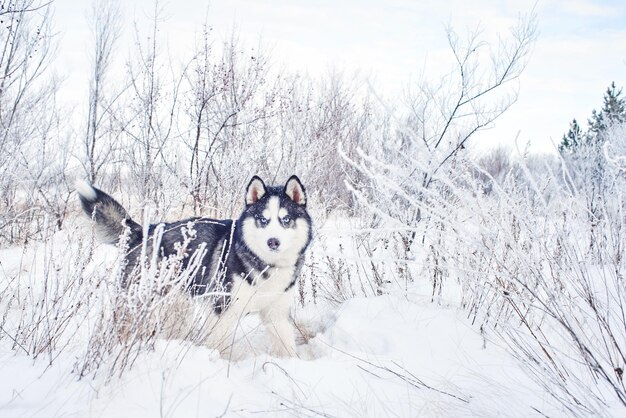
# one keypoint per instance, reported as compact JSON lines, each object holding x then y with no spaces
{"x":572,"y":140}
{"x":613,"y":111}
{"x":597,"y":124}
{"x":584,"y":151}
{"x":614,"y":108}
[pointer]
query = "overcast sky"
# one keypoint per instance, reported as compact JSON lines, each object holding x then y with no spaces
{"x":580,"y":49}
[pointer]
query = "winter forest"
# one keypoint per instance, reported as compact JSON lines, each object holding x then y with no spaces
{"x":440,"y":281}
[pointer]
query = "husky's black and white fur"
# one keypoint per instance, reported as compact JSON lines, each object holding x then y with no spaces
{"x":252,"y":262}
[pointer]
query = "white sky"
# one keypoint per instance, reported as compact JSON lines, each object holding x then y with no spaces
{"x":581,"y":46}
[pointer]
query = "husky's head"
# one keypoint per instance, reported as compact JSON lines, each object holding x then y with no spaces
{"x":275,"y":224}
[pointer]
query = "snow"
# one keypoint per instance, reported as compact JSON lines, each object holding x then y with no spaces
{"x":394,"y":355}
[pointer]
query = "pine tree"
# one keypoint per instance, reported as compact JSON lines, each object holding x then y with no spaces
{"x":613,"y":111}
{"x":597,"y":125}
{"x":614,"y":108}
{"x":572,"y":140}
{"x":585,"y":151}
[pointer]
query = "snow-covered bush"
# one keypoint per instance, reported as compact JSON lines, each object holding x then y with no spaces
{"x":548,"y":280}
{"x":531,"y":247}
{"x":537,"y":265}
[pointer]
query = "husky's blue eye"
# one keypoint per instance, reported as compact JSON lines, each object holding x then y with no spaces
{"x":263,"y":221}
{"x":286,"y":220}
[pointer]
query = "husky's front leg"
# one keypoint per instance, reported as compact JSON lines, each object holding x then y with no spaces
{"x":222,"y":327}
{"x":281,"y":330}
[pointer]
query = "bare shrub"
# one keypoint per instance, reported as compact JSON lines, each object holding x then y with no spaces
{"x":33,"y":150}
{"x":46,"y":296}
{"x":495,"y":164}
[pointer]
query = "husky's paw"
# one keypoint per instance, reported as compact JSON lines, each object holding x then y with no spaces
{"x":279,"y":349}
{"x":283,"y":341}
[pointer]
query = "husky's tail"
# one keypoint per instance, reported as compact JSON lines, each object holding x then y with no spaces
{"x":111,"y":218}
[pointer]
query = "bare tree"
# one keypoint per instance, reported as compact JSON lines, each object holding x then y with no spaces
{"x":230,"y":104}
{"x":145,"y":119}
{"x":445,"y":115}
{"x":442,"y":118}
{"x":28,"y":120}
{"x":104,"y":19}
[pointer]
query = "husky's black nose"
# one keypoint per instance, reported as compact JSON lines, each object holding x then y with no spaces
{"x":273,"y":243}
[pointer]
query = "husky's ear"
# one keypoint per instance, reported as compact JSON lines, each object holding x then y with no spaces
{"x":295,"y":190}
{"x":255,"y":191}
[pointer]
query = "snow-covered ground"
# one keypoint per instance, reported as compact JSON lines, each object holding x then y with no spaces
{"x":382,"y":356}
{"x":393,"y":355}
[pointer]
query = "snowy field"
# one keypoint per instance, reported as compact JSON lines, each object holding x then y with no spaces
{"x":409,"y":352}
{"x":500,"y":305}
{"x":394,"y":355}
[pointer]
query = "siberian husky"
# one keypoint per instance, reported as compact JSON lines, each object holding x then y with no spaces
{"x":252,"y":262}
